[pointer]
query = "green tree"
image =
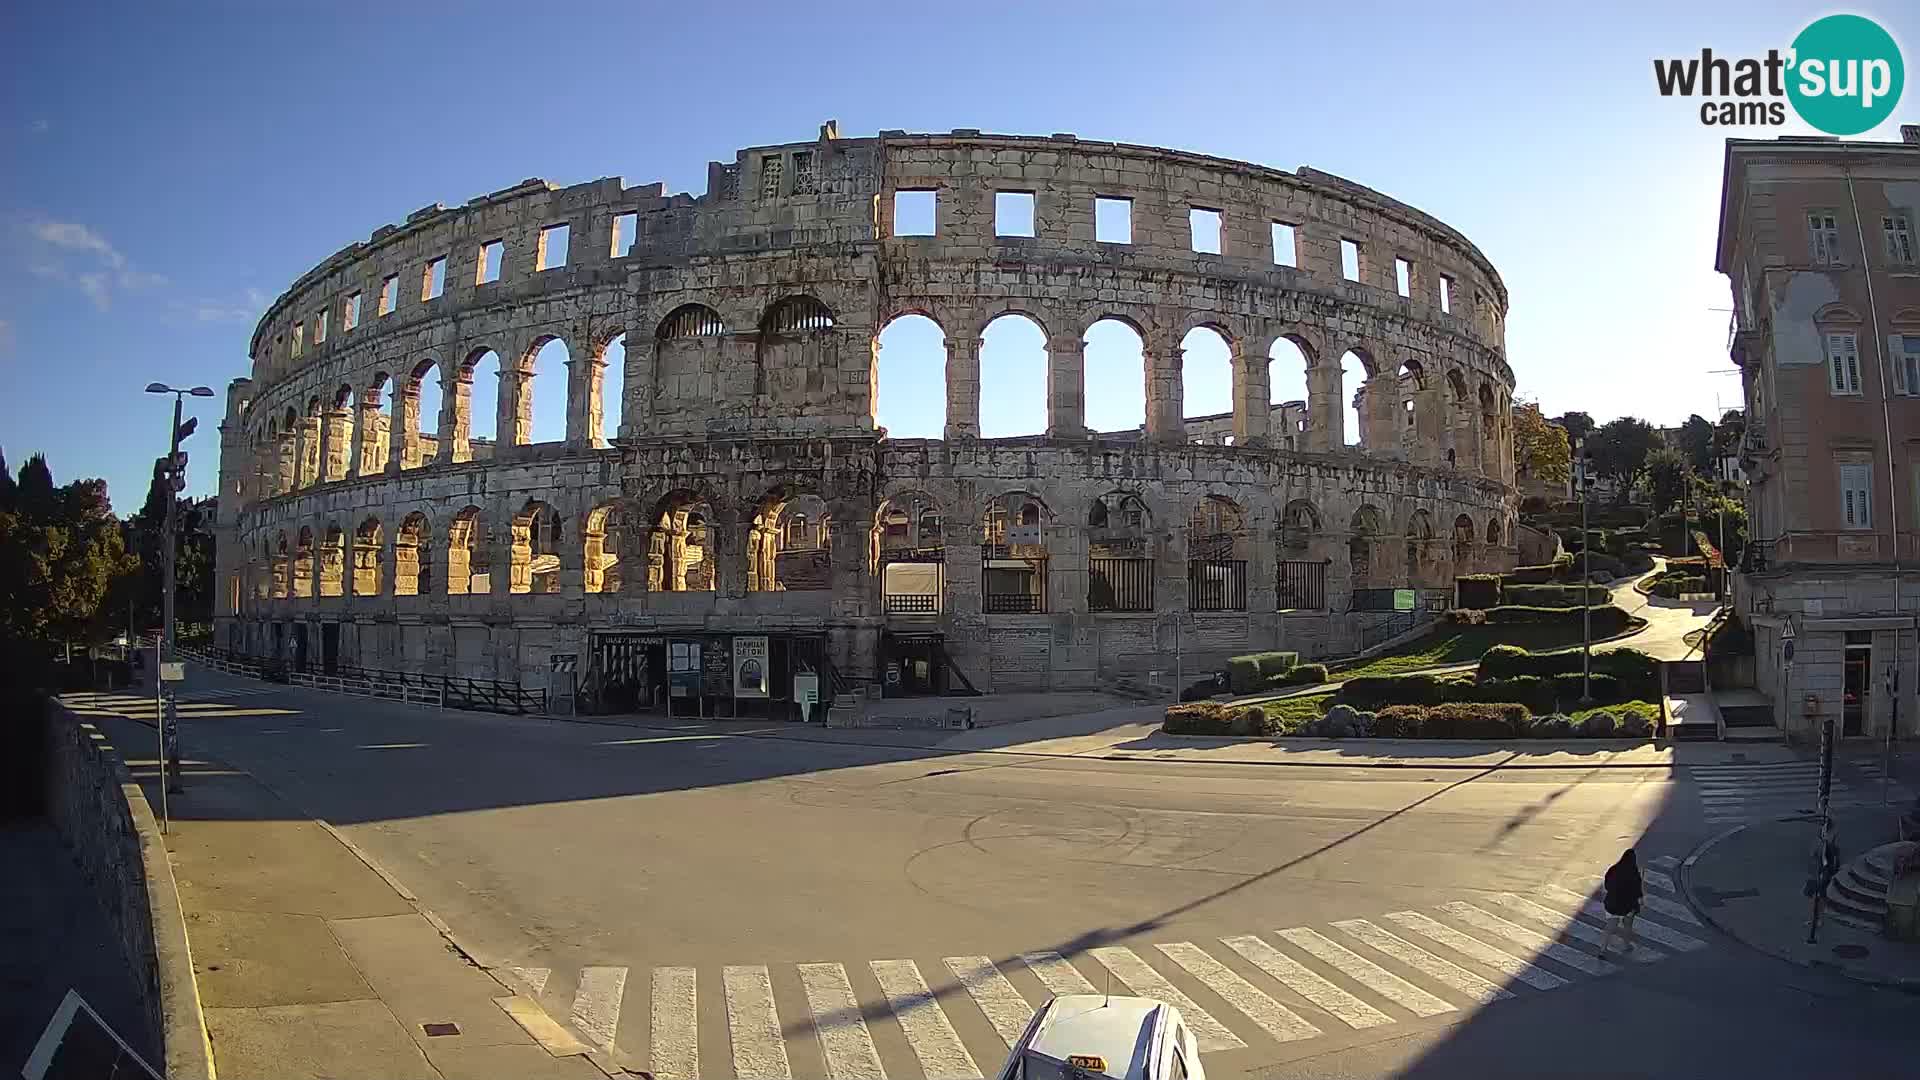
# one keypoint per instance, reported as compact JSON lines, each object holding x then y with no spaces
{"x":1620,"y":448}
{"x":61,"y":552}
{"x":1696,"y":442}
{"x":193,"y":553}
{"x":1667,"y":477}
{"x":1577,"y":425}
{"x":1539,"y":446}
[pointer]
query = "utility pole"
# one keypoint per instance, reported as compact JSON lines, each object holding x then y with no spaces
{"x":1584,"y":478}
{"x":174,"y":479}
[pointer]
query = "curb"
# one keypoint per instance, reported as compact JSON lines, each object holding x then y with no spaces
{"x":1909,"y":983}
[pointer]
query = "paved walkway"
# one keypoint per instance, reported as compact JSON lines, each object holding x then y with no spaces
{"x":1750,"y":884}
{"x":310,"y":964}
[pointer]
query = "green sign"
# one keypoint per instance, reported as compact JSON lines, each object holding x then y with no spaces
{"x":1403,"y":599}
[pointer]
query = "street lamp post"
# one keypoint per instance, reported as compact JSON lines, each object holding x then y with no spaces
{"x":1584,"y":478}
{"x":176,"y":481}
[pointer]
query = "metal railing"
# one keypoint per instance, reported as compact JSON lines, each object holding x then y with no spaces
{"x":1757,"y":556}
{"x":442,"y":691}
{"x":1302,"y":586}
{"x":1217,"y":584}
{"x":1119,"y":584}
{"x":912,"y":604}
{"x":1012,"y":603}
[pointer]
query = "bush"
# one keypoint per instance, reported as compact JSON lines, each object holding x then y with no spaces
{"x":1479,"y":590}
{"x":1399,"y":721}
{"x":1538,"y":693}
{"x":1454,"y":720}
{"x":1246,"y":674}
{"x":1555,"y":595}
{"x":1556,"y":726}
{"x":1303,"y":675}
{"x":1636,"y":675}
{"x":1216,"y":718}
{"x":1607,"y":621}
{"x":1599,"y":725}
{"x":1374,"y":691}
{"x":1604,"y":687}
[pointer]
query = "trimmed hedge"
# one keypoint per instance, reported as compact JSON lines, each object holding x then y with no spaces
{"x":1303,"y":675}
{"x":1607,"y":621}
{"x":1216,"y":718}
{"x":1554,"y":595}
{"x":1479,"y":590}
{"x":1636,"y":673}
{"x":1246,"y":674}
{"x":1458,"y":720}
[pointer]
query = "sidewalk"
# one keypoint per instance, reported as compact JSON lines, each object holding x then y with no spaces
{"x":1749,"y":884}
{"x":310,"y":964}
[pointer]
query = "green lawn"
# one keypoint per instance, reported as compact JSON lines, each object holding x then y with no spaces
{"x":1295,"y":711}
{"x":1459,"y":645}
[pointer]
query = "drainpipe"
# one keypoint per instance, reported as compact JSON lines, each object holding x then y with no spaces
{"x":1886,"y":427}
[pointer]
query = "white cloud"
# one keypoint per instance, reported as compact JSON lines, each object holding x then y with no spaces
{"x":74,"y":237}
{"x":141,"y":279}
{"x":95,"y":286}
{"x":79,"y":255}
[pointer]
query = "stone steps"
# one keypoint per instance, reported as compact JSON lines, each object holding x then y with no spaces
{"x":1857,"y":895}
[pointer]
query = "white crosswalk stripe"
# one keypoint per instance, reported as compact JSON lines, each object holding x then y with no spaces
{"x":1505,"y":963}
{"x":1568,"y":925}
{"x":759,"y":1050}
{"x":1663,"y":862}
{"x":1056,"y":974}
{"x":1520,"y":935}
{"x":676,"y":1030}
{"x":1275,"y":1019}
{"x":1646,"y":928}
{"x":1654,"y":879}
{"x":1002,"y":1005}
{"x":942,"y":1055}
{"x":845,"y":1041}
{"x":596,"y":1004}
{"x":1279,"y":986}
{"x":1368,"y":974}
{"x":1143,"y":980}
{"x":1443,"y":971}
{"x":1301,"y":980}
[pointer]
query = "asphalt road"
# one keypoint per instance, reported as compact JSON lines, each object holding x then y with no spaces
{"x":694,"y":898}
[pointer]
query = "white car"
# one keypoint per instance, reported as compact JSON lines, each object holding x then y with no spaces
{"x":1089,"y":1036}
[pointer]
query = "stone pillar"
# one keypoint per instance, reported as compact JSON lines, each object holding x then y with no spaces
{"x":726,"y":541}
{"x":513,"y":418}
{"x":636,"y":395}
{"x":338,"y":445}
{"x":1326,"y":414}
{"x":585,"y":392}
{"x":456,"y":401}
{"x":963,"y":387}
{"x":1166,"y":403}
{"x":1385,"y":416}
{"x":1430,"y":427}
{"x":1067,"y":387}
{"x":1252,"y":413}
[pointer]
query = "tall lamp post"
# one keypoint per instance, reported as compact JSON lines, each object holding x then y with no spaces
{"x":1583,"y":478}
{"x":176,"y":482}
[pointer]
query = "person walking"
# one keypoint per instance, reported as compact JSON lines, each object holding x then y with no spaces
{"x":1622,"y":900}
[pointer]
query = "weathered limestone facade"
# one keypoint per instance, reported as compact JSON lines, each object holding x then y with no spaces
{"x":748,"y":489}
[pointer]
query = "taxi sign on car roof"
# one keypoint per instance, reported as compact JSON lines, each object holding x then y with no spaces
{"x":1088,"y":1061}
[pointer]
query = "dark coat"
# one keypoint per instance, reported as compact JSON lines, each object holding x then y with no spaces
{"x":1623,"y":889}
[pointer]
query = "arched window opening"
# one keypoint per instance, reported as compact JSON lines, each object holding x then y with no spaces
{"x":534,"y":562}
{"x":1301,"y":579}
{"x":303,"y":568}
{"x":612,"y":389}
{"x":1217,"y":555}
{"x":606,"y":532}
{"x":1493,"y":532}
{"x":1013,"y":378}
{"x":691,"y":321}
{"x":412,"y":558}
{"x":339,"y":436}
{"x":469,"y":554}
{"x":797,"y":315}
{"x":282,"y":567}
{"x":1462,"y":544}
{"x":367,"y":540}
{"x":1355,"y":372}
{"x":480,"y":379}
{"x":909,"y":378}
{"x":1288,"y":394}
{"x":543,"y":394}
{"x":1206,"y":383}
{"x":419,"y":407}
{"x":310,"y":450}
{"x":1013,"y":556}
{"x":1459,"y":421}
{"x":1116,"y":376}
{"x":376,"y":425}
{"x":909,"y":555}
{"x":333,"y":562}
{"x":679,"y":548}
{"x":1119,"y":553}
{"x":1364,"y":531}
{"x":790,"y":545}
{"x":1420,"y":556}
{"x":1489,"y":430}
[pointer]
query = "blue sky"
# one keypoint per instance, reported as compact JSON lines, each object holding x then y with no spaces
{"x":165,"y":170}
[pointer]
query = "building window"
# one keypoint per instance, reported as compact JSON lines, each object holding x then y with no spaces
{"x":1403,"y":277}
{"x":803,"y":178}
{"x":299,"y":338}
{"x":350,"y":315}
{"x":1350,"y":259}
{"x":552,"y":250}
{"x":1283,"y":250}
{"x":1899,"y":233}
{"x":1446,"y":294}
{"x":771,"y":168}
{"x":320,"y":326}
{"x":389,"y":294}
{"x":433,"y":281}
{"x":1112,"y":220}
{"x":1823,"y":235}
{"x":1013,"y":213}
{"x":1909,"y":363}
{"x":1843,"y":363}
{"x":1205,"y":226}
{"x":492,"y":254}
{"x":1856,"y":495}
{"x":626,"y":227}
{"x":914,"y":212}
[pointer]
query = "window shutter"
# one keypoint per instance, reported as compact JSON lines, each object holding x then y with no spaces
{"x":1836,"y":371}
{"x":1900,"y":379}
{"x":1846,"y":492}
{"x":1853,"y":373}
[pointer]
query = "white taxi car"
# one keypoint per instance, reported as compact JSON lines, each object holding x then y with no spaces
{"x":1090,"y":1036}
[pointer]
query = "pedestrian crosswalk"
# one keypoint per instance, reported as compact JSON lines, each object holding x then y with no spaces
{"x":955,"y":1017}
{"x":1731,"y":794}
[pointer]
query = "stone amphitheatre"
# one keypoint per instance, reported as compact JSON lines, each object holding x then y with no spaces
{"x":748,"y":501}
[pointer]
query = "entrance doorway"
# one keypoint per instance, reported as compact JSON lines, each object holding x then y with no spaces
{"x":1857,"y":685}
{"x":329,"y":647}
{"x":626,"y":674}
{"x":912,"y":665}
{"x":299,"y":646}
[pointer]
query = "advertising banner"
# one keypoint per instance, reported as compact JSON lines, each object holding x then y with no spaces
{"x":750,"y":667}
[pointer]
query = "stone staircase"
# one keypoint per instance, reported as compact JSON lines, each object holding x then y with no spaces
{"x":1857,"y":896}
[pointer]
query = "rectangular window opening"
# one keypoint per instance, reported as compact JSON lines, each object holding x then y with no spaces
{"x":1910,"y":363}
{"x":492,"y":254}
{"x":1349,"y":260}
{"x":1899,"y":233}
{"x":1283,"y":251}
{"x":1856,"y":495}
{"x":1013,"y":213}
{"x":772,"y":169}
{"x":1112,"y":220}
{"x":553,"y":247}
{"x":319,"y":326}
{"x":299,"y":338}
{"x":1843,"y":363}
{"x":350,"y":315}
{"x":1206,"y":230}
{"x":913,"y":212}
{"x":1446,"y":294}
{"x":1403,"y":277}
{"x":1823,"y":233}
{"x":433,"y":280}
{"x":389,"y":294}
{"x":626,"y":229}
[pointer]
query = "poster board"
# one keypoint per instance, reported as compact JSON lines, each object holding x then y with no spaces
{"x":683,"y":668}
{"x":716,"y":668}
{"x":750,"y":666}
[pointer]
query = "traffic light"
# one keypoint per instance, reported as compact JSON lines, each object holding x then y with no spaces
{"x":186,"y":429}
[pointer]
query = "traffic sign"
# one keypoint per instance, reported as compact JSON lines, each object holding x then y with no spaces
{"x":1786,"y":631}
{"x":1786,"y":650}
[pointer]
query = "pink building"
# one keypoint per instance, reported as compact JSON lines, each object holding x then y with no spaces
{"x":1817,"y":237}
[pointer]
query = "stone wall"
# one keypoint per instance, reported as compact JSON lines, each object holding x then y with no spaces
{"x":748,"y":486}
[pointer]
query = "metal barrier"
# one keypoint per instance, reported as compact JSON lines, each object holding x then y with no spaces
{"x":440,"y":691}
